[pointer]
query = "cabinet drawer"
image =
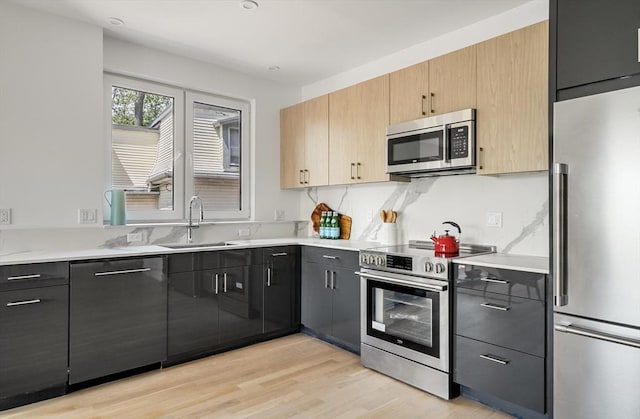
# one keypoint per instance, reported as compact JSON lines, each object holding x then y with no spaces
{"x":331,"y":257}
{"x":182,"y":262}
{"x":228,"y":258}
{"x":283,"y":254}
{"x":501,"y":281}
{"x":509,"y":375}
{"x":14,"y":277}
{"x":512,"y":322}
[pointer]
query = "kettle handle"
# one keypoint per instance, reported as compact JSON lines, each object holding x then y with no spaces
{"x":105,"y":196}
{"x":455,"y":225}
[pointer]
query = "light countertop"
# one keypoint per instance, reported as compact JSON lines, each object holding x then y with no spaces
{"x":537,"y":264}
{"x":41,"y":256}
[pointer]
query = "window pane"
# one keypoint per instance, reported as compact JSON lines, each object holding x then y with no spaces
{"x":142,"y":136}
{"x":216,"y":156}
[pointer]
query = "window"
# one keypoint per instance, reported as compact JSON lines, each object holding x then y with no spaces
{"x":168,"y":144}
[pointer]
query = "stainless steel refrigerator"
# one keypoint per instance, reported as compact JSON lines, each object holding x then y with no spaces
{"x":596,"y":256}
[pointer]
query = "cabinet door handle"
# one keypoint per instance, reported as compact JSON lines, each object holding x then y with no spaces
{"x":330,"y":257}
{"x":495,"y":306}
{"x":301,"y":177}
{"x":493,"y":280}
{"x":424,"y":99}
{"x":217,"y":283}
{"x":224,"y":282}
{"x":268,"y":276}
{"x":358,"y":171}
{"x":495,"y":359}
{"x":333,"y":280}
{"x":22,"y":303}
{"x":306,"y":176}
{"x":480,"y":158}
{"x":433,"y":95}
{"x":125,"y":271}
{"x":16,"y":278}
{"x":353,"y":165}
{"x":275,"y":255}
{"x":326,"y":278}
{"x":639,"y":45}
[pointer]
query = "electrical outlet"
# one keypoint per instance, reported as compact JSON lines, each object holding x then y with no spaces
{"x":278,"y":215}
{"x":494,"y":219}
{"x":134,"y":237}
{"x":243,"y":232}
{"x":87,"y":216}
{"x":5,"y":215}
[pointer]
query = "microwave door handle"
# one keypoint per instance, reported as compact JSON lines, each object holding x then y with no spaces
{"x":445,"y":142}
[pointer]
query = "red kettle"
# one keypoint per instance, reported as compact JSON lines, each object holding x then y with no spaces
{"x":447,"y":245}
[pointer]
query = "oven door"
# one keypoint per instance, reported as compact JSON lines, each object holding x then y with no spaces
{"x":406,"y":317}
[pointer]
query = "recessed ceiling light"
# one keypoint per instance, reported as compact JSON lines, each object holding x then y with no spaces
{"x":115,"y":21}
{"x":273,"y":68}
{"x":248,"y":4}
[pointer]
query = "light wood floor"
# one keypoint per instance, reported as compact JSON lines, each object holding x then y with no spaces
{"x":295,"y":376}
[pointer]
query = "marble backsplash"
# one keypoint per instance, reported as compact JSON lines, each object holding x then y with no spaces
{"x":21,"y":240}
{"x":423,"y":204}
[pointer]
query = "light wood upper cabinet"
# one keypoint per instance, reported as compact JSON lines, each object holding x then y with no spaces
{"x":408,"y":91}
{"x":304,"y":144}
{"x":292,"y":146}
{"x":443,"y":84}
{"x":452,"y":81}
{"x":512,"y":113}
{"x":358,"y":117}
{"x":316,"y":144}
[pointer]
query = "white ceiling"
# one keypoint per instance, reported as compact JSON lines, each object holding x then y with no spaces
{"x":309,"y":40}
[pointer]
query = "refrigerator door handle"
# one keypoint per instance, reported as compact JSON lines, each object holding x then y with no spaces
{"x":560,"y":172}
{"x":597,"y":335}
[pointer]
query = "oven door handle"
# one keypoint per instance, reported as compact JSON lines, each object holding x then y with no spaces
{"x":429,"y":287}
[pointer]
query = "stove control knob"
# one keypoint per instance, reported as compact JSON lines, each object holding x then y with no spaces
{"x":428,"y":267}
{"x":439,"y":268}
{"x":380,"y":261}
{"x":363,"y":259}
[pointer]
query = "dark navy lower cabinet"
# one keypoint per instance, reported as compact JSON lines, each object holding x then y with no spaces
{"x":118,"y":316}
{"x":501,"y":343}
{"x":33,"y":341}
{"x":331,"y":296}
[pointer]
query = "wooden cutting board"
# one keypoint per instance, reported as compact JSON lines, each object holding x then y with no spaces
{"x":345,"y":220}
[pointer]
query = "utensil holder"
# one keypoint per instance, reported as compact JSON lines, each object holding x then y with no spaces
{"x":388,"y":234}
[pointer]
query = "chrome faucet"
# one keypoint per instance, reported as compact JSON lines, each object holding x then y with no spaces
{"x":190,"y":224}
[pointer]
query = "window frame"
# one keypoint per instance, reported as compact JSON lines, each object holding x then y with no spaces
{"x":183,"y":149}
{"x":192,"y":97}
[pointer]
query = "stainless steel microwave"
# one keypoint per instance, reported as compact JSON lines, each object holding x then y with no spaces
{"x":437,"y":145}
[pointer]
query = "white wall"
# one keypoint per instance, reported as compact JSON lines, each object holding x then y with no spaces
{"x":50,"y":117}
{"x":424,"y":204}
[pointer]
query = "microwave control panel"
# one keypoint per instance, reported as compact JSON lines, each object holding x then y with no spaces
{"x":459,"y":142}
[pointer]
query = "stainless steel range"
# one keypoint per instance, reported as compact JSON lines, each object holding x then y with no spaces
{"x":406,"y":310}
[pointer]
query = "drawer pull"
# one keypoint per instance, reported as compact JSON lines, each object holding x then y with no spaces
{"x":494,"y":359}
{"x":330,"y":257}
{"x":16,"y":278}
{"x":495,"y":306}
{"x":275,"y":255}
{"x":494,"y":280}
{"x":22,"y":303}
{"x":126,"y":271}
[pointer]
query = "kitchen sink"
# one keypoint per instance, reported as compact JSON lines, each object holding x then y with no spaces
{"x":193,"y":245}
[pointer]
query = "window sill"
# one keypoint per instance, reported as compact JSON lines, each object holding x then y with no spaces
{"x":203,"y":223}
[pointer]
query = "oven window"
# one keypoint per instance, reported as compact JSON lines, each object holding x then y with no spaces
{"x":404,"y":316}
{"x":416,"y":148}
